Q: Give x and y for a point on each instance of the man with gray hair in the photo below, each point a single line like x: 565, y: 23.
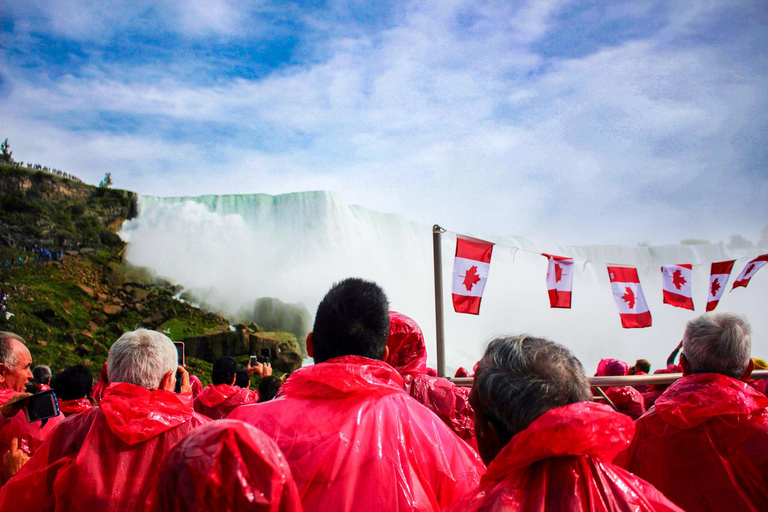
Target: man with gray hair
x: 546, y: 444
x: 42, y: 375
x: 705, y: 442
x: 115, y: 448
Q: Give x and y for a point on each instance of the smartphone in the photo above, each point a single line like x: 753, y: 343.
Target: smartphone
x: 264, y: 357
x: 179, y: 352
x: 40, y: 407
x: 253, y: 361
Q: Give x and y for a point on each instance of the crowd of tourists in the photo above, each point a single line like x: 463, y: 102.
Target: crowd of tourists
x: 369, y: 427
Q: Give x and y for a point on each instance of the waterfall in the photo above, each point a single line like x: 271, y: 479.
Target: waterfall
x: 230, y: 250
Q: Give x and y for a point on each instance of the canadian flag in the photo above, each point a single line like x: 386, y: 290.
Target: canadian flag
x: 559, y: 281
x: 749, y: 271
x: 718, y: 278
x: 629, y: 297
x: 676, y: 281
x: 470, y: 273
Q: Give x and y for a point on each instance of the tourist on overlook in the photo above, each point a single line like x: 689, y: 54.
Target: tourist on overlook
x: 626, y: 399
x: 222, y: 396
x: 105, y: 458
x: 705, y: 442
x: 73, y: 390
x: 18, y: 438
x: 547, y: 445
x: 408, y: 355
x: 352, y: 436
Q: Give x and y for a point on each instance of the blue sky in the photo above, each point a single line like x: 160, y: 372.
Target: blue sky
x: 572, y: 122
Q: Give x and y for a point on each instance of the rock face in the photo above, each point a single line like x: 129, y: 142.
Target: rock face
x: 272, y: 314
x: 285, y: 353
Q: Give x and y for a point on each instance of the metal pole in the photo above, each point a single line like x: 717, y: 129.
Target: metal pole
x: 437, y: 233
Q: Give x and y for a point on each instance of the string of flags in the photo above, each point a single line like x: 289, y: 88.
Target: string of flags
x: 472, y: 264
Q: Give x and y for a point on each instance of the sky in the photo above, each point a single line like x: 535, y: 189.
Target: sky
x: 579, y: 123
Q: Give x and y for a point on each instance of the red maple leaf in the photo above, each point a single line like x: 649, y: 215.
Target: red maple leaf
x: 749, y: 270
x: 629, y: 297
x: 715, y: 287
x: 677, y: 279
x: 471, y: 277
x: 558, y: 272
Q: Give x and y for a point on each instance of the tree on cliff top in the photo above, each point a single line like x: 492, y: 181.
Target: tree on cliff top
x: 107, y: 181
x: 6, y: 155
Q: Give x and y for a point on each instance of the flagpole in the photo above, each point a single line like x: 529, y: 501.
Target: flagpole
x: 437, y: 240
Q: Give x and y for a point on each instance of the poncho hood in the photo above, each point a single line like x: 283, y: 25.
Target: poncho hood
x: 344, y: 376
x: 211, y: 395
x: 135, y: 414
x: 407, y: 350
x: 695, y: 399
x: 68, y: 407
x: 584, y: 428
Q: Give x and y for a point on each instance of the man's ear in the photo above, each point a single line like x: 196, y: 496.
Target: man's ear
x: 3, y: 369
x: 310, y: 346
x: 168, y: 381
x: 750, y: 368
x: 687, y: 367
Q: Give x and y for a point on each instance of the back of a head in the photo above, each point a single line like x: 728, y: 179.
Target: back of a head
x: 407, y: 349
x: 612, y: 368
x: 351, y: 320
x: 225, y: 465
x: 268, y: 387
x: 42, y: 374
x: 718, y: 343
x: 242, y: 378
x: 522, y: 377
x: 141, y: 357
x: 642, y: 365
x: 73, y: 383
x: 224, y: 370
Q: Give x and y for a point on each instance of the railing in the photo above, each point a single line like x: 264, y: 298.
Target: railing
x: 628, y: 380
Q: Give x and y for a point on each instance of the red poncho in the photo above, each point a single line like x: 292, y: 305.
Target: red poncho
x: 101, y: 384
x: 562, y: 461
x: 225, y: 466
x: 104, y: 458
x: 217, y: 402
x: 30, y: 435
x: 70, y: 407
x: 705, y: 444
x: 408, y: 355
x: 627, y: 400
x: 356, y: 441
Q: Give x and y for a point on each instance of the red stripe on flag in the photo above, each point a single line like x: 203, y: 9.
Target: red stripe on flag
x: 559, y: 258
x: 677, y: 300
x: 638, y: 321
x: 473, y: 249
x: 623, y: 275
x: 711, y: 305
x: 559, y: 299
x: 722, y: 267
x: 466, y: 304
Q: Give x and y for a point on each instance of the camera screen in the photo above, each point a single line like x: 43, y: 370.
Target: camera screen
x: 41, y: 406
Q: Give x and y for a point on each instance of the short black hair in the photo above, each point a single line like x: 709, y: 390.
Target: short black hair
x: 242, y: 378
x: 268, y: 387
x: 351, y: 320
x: 224, y: 369
x: 73, y: 383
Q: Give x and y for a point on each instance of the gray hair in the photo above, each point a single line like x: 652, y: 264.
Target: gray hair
x: 520, y: 378
x: 141, y: 357
x: 42, y: 374
x: 7, y: 354
x: 718, y: 343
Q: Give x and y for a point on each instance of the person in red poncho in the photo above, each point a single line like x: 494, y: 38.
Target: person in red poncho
x: 105, y: 458
x: 547, y: 446
x: 626, y: 399
x: 221, y: 397
x: 73, y: 389
x: 18, y: 438
x: 705, y: 441
x: 408, y: 355
x: 225, y: 466
x: 353, y: 437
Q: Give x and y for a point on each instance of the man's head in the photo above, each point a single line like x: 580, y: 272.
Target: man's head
x: 717, y: 343
x: 145, y: 358
x: 42, y: 374
x: 73, y: 383
x: 641, y: 365
x: 15, y: 362
x: 517, y: 380
x: 224, y: 371
x: 352, y: 319
x: 242, y: 378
